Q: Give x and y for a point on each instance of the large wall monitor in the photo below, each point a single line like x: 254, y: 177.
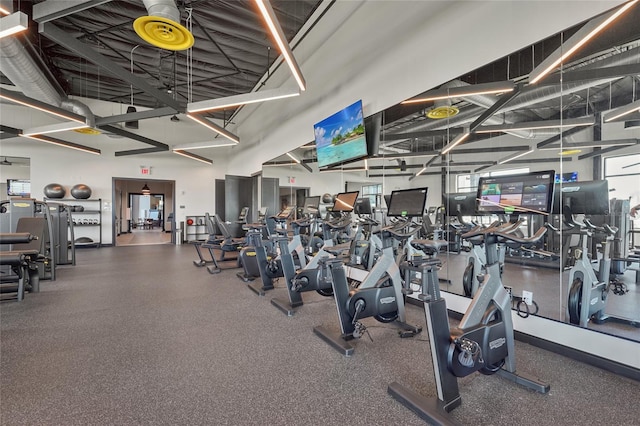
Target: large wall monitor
x: 587, y: 197
x: 460, y: 203
x: 345, y: 201
x: 407, y: 202
x: 18, y: 187
x: 530, y: 193
x: 341, y: 137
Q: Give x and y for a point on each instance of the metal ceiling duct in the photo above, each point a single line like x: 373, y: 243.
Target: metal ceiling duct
x: 24, y: 73
x: 162, y: 27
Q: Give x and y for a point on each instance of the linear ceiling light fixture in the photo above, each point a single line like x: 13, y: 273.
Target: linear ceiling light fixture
x: 457, y: 92
x: 242, y: 99
x: 54, y: 128
x: 290, y: 155
x: 276, y: 30
x: 6, y: 7
x: 13, y: 24
x: 41, y: 106
x: 193, y: 156
x: 622, y: 111
x: 212, y: 126
x: 515, y: 155
x: 576, y: 41
x: 533, y: 125
x: 456, y: 141
x: 62, y: 143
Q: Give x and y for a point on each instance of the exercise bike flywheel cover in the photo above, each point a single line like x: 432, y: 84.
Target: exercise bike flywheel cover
x: 164, y: 33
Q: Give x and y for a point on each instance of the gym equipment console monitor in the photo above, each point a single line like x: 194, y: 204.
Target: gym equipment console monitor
x: 407, y: 202
x: 345, y: 201
x: 530, y: 193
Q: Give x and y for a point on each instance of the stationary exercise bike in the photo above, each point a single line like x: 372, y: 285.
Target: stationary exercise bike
x: 483, y: 341
x: 589, y: 288
x: 380, y: 295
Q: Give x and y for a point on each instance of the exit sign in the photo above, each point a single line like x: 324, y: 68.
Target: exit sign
x: 145, y: 170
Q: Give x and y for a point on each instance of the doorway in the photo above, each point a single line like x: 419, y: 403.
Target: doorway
x: 143, y: 218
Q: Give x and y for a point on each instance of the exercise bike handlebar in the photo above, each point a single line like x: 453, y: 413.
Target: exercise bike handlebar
x: 609, y: 230
x: 506, y: 233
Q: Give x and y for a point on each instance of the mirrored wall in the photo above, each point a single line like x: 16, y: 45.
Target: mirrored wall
x: 548, y: 138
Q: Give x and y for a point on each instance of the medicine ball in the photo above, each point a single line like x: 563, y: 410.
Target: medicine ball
x: 54, y: 190
x: 327, y: 198
x: 189, y: 221
x: 81, y: 191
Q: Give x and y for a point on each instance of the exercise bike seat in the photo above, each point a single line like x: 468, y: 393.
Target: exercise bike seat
x: 338, y: 249
x: 429, y: 247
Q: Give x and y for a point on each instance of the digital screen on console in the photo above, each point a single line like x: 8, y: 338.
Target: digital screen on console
x: 345, y: 201
x: 407, y: 202
x: 530, y: 193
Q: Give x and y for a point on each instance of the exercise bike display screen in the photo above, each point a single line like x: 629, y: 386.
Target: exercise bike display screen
x: 345, y: 201
x: 408, y: 202
x: 530, y: 193
x: 284, y: 214
x: 311, y: 205
x: 363, y: 206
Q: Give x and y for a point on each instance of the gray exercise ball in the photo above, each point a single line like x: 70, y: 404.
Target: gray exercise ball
x: 81, y: 191
x: 327, y: 198
x: 54, y: 190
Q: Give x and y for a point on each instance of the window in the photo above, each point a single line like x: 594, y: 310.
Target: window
x: 373, y: 192
x: 469, y: 183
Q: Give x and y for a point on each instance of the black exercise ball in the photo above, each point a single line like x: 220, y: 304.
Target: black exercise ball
x: 327, y: 198
x: 54, y: 190
x: 81, y: 191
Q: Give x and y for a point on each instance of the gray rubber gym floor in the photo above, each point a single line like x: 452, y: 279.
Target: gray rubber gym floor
x: 138, y: 335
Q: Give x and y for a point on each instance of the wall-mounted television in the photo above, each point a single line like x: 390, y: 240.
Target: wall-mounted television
x: 407, y: 202
x: 18, y: 187
x: 341, y: 137
x: 530, y: 193
x: 567, y: 177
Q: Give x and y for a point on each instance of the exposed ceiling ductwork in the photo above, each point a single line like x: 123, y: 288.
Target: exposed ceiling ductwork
x: 26, y: 75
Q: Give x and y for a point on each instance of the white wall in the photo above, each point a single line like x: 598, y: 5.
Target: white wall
x: 385, y: 52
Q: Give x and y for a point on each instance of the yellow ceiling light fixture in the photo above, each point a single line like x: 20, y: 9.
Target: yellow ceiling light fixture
x: 568, y: 152
x: 88, y: 131
x: 444, y: 111
x: 161, y: 27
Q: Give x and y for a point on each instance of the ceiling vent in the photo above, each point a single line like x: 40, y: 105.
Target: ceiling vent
x: 161, y: 27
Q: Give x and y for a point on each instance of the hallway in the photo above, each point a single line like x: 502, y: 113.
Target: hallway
x: 144, y: 237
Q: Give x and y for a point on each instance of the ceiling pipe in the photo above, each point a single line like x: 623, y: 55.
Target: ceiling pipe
x: 24, y: 73
x: 164, y: 8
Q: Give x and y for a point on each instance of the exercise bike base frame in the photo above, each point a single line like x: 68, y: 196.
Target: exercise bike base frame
x: 259, y: 288
x: 285, y: 306
x: 340, y: 341
x: 432, y: 410
x: 525, y: 381
x: 335, y: 341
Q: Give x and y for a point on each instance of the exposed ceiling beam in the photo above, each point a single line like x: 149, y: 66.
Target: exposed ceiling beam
x: 54, y: 9
x: 600, y: 152
x: 134, y: 116
x: 592, y: 74
x: 61, y: 37
x: 10, y: 130
x: 501, y: 102
x: 118, y: 131
x: 556, y: 138
x: 424, y: 134
x: 138, y: 151
x: 592, y: 144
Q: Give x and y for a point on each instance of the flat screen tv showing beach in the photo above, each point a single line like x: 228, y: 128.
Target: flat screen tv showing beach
x: 341, y: 137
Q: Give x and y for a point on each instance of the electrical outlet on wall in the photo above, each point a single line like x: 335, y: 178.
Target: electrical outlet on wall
x: 527, y: 296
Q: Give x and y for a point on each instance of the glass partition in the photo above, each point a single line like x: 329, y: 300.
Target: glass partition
x: 536, y: 110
